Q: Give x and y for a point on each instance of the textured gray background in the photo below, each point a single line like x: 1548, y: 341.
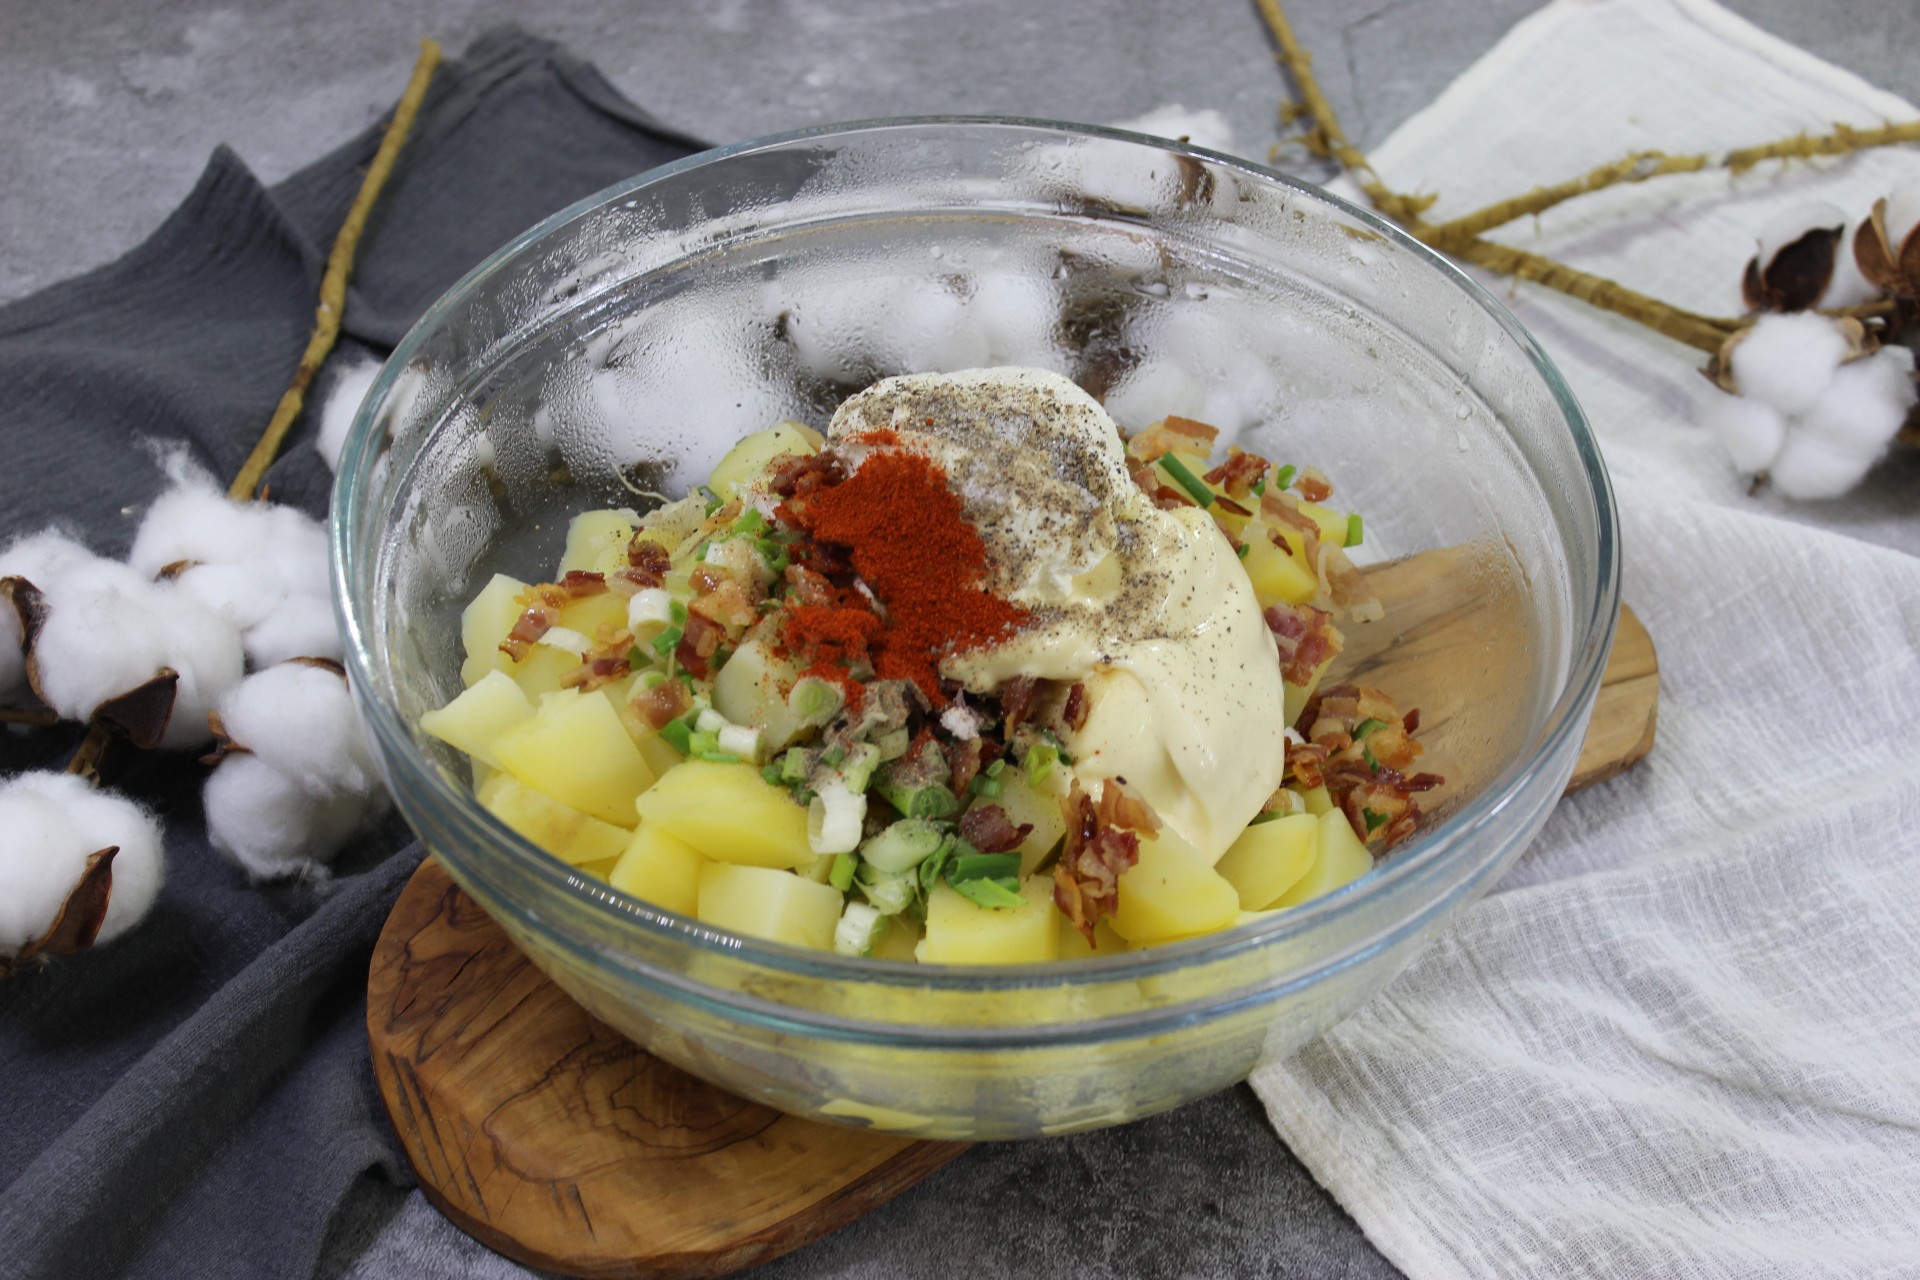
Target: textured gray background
x: 108, y: 112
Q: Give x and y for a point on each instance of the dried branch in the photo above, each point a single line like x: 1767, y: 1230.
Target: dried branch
x: 1642, y: 165
x: 333, y: 285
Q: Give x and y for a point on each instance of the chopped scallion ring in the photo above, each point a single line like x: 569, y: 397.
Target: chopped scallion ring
x: 1195, y: 487
x: 1355, y: 530
x: 1284, y: 476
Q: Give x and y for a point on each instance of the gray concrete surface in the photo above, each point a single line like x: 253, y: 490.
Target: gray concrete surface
x: 107, y: 114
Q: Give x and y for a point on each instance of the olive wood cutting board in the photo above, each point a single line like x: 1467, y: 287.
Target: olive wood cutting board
x: 550, y: 1138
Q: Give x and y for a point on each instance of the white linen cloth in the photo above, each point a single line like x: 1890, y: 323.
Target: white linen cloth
x: 1682, y: 1037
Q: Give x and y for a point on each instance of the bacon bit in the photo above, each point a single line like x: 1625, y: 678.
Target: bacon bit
x: 1165, y: 496
x: 1121, y: 806
x: 1238, y: 472
x: 666, y: 701
x: 647, y: 559
x: 698, y: 640
x: 1411, y: 721
x: 579, y: 584
x: 631, y: 582
x: 1305, y: 763
x: 1086, y: 880
x: 1220, y: 523
x: 706, y: 578
x: 1277, y: 539
x: 1229, y: 506
x: 596, y: 673
x: 1173, y: 435
x: 810, y: 588
x: 1305, y: 637
x: 1075, y: 711
x: 1365, y: 776
x: 988, y: 828
x: 1313, y: 485
x: 1016, y: 703
x: 727, y: 604
x: 1346, y: 585
x: 964, y: 759
x: 536, y: 621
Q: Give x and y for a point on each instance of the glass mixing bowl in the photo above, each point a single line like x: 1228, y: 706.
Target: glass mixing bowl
x: 615, y: 352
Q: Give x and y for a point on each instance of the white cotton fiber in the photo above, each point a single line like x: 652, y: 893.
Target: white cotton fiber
x: 1865, y: 403
x: 344, y: 397
x: 301, y: 720
x: 1793, y: 222
x: 1811, y: 466
x: 1786, y: 360
x: 53, y: 823
x: 43, y: 559
x: 1749, y: 431
x: 1018, y: 317
x: 270, y: 825
x: 260, y: 567
x: 1150, y: 391
x: 1206, y: 128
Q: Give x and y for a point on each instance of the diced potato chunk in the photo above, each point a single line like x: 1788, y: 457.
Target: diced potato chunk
x: 1025, y: 805
x: 959, y: 931
x: 539, y: 673
x: 731, y: 814
x: 752, y: 689
x: 1342, y: 860
x: 1333, y: 525
x: 601, y: 870
x: 661, y: 869
x: 1317, y: 800
x: 590, y: 613
x: 487, y: 709
x: 1267, y: 860
x: 1073, y: 943
x: 576, y: 750
x: 898, y: 942
x: 1295, y: 697
x: 750, y: 457
x: 762, y: 902
x: 597, y: 541
x: 1277, y: 575
x: 561, y: 830
x: 484, y: 623
x: 1172, y: 892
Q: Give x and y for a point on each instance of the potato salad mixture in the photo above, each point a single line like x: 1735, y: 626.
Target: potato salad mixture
x: 969, y: 680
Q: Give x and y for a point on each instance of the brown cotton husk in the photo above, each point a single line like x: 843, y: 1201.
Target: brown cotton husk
x: 1797, y: 275
x: 1887, y: 266
x: 325, y: 664
x: 141, y: 714
x: 81, y: 915
x: 29, y: 604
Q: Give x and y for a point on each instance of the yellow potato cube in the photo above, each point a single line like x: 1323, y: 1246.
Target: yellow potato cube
x: 762, y: 902
x: 1333, y: 525
x: 576, y: 750
x: 591, y: 613
x: 731, y: 814
x: 484, y: 623
x: 1342, y: 860
x: 1277, y: 575
x: 902, y: 936
x: 1269, y: 859
x: 488, y: 708
x: 601, y: 870
x: 1317, y: 800
x: 561, y: 830
x: 1024, y: 806
x: 960, y: 931
x: 1073, y: 943
x: 539, y: 673
x: 1172, y: 892
x: 1295, y: 697
x: 597, y: 541
x: 748, y: 459
x: 660, y: 869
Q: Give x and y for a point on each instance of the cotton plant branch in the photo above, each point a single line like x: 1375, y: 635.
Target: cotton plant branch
x: 1462, y: 236
x: 333, y: 284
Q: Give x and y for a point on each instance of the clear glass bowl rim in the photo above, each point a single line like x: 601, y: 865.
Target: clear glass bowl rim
x: 1593, y: 625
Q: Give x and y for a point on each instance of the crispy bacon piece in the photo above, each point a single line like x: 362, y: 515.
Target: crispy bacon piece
x: 1361, y: 747
x: 1305, y: 761
x: 1121, y: 806
x: 647, y: 561
x: 1165, y: 496
x: 1239, y: 472
x: 1016, y: 703
x: 964, y: 758
x: 1086, y: 880
x: 1228, y: 505
x: 1313, y: 485
x: 698, y: 640
x: 666, y: 701
x: 810, y: 588
x: 595, y: 673
x: 727, y: 604
x: 1174, y: 434
x: 580, y: 583
x: 534, y: 622
x: 1306, y: 638
x: 1075, y: 711
x: 988, y: 828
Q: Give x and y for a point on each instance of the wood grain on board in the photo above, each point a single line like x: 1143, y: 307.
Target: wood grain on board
x: 552, y: 1139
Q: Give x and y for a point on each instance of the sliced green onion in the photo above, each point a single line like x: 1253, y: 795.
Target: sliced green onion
x: 991, y: 893
x: 985, y: 787
x: 814, y: 700
x: 1355, y: 530
x: 903, y: 845
x: 1195, y: 487
x: 676, y: 613
x: 859, y: 929
x: 1366, y: 727
x: 635, y: 658
x: 931, y: 868
x: 1241, y: 551
x: 1373, y: 820
x: 833, y: 757
x: 844, y: 865
x: 722, y: 654
x: 664, y: 642
x: 677, y: 733
x: 1265, y: 815
x: 893, y: 743
x: 1041, y: 757
x: 1284, y: 476
x: 717, y: 757
x: 771, y: 772
x: 1260, y: 487
x: 703, y: 742
x: 930, y: 801
x: 751, y: 523
x: 857, y: 770
x: 889, y: 893
x: 995, y: 769
x: 977, y: 866
x: 713, y: 500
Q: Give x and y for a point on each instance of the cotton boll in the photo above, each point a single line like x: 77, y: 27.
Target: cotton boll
x: 1848, y: 288
x: 44, y: 558
x: 271, y: 826
x: 927, y: 327
x: 1790, y: 224
x: 1813, y: 466
x: 1207, y: 128
x: 299, y: 627
x: 301, y: 720
x: 54, y: 822
x: 1903, y: 213
x: 1017, y: 317
x: 207, y: 654
x: 1866, y: 402
x: 1749, y: 431
x: 1786, y: 360
x: 349, y: 390
x: 1152, y: 390
x: 99, y: 639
